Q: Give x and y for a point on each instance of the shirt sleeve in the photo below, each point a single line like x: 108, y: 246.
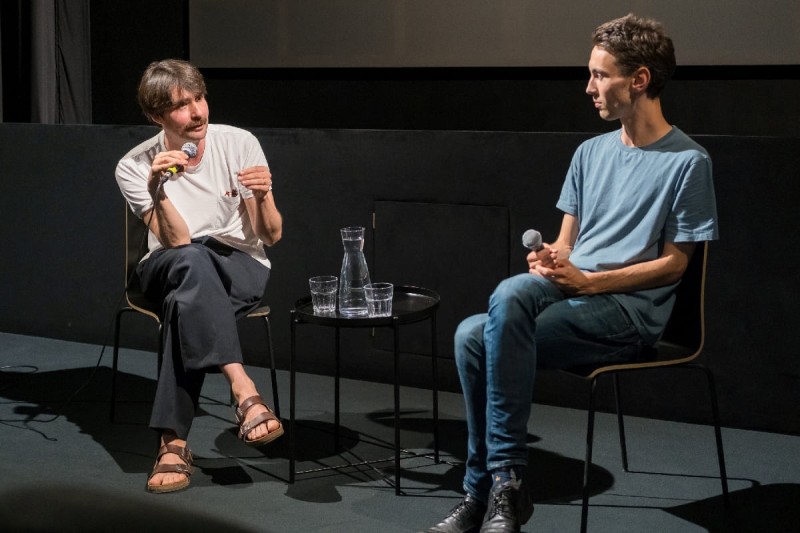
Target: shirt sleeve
x: 693, y: 217
x: 131, y: 175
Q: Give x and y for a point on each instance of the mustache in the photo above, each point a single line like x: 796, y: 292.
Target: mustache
x: 196, y: 124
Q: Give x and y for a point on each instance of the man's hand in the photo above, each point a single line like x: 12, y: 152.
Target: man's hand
x: 163, y: 161
x: 257, y: 179
x: 566, y: 276
x: 548, y: 256
x: 543, y: 257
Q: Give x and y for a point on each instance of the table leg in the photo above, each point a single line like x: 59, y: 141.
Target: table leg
x: 395, y: 324
x: 336, y: 405
x: 435, y: 387
x: 293, y: 326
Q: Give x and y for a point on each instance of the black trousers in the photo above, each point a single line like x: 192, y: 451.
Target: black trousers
x: 204, y: 288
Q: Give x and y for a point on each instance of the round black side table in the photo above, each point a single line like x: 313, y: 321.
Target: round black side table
x: 409, y: 305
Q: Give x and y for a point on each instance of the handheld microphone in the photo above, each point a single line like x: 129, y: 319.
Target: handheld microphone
x: 532, y: 239
x: 189, y: 149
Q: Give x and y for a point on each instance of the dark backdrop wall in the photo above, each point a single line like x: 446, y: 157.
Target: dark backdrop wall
x: 450, y: 208
x: 716, y: 100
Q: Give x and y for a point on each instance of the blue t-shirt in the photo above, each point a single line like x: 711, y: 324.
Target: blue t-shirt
x: 629, y: 202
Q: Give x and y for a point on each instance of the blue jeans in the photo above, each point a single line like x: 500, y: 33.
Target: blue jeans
x: 531, y: 324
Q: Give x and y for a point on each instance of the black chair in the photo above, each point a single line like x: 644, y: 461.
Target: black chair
x: 681, y: 344
x: 137, y: 302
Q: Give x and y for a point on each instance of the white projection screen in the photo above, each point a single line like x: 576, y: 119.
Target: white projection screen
x: 477, y: 33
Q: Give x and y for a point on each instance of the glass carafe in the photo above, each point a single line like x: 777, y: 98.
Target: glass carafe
x: 354, y: 275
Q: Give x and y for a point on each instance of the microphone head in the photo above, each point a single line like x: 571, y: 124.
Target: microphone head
x: 189, y: 149
x: 532, y: 239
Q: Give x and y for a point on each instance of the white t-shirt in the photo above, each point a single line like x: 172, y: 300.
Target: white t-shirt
x: 208, y: 195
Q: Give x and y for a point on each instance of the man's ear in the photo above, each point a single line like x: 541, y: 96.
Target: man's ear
x: 641, y: 80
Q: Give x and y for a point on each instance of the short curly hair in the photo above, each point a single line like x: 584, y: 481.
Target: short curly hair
x: 159, y: 80
x: 638, y: 42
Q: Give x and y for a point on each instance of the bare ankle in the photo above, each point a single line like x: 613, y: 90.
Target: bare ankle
x: 169, y: 437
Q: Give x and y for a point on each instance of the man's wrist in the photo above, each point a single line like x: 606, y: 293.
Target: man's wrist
x: 158, y: 196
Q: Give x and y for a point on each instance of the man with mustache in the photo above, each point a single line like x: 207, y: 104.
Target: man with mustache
x: 636, y: 202
x: 210, y: 218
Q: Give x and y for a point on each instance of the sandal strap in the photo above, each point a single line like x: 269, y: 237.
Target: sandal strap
x: 178, y: 468
x: 181, y: 451
x: 246, y: 427
x: 242, y: 408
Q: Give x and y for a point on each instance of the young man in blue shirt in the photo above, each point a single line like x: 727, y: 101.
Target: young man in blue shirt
x: 636, y: 202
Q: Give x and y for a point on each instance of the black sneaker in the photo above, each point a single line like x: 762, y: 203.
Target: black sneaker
x: 510, y: 506
x: 466, y: 517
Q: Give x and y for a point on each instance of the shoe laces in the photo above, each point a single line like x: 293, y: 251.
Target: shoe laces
x: 501, y: 501
x: 462, y: 508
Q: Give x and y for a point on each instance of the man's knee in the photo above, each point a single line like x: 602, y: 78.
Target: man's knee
x: 187, y: 252
x: 469, y: 337
x: 516, y: 289
x: 190, y: 257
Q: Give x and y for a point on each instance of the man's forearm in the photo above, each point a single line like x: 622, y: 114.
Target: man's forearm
x: 167, y: 224
x: 665, y: 270
x: 266, y: 219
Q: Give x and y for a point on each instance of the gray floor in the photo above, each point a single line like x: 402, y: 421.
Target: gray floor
x: 65, y: 467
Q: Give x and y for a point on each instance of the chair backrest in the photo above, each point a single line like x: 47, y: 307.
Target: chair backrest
x: 135, y: 241
x: 684, y: 335
x: 135, y: 245
x: 686, y: 327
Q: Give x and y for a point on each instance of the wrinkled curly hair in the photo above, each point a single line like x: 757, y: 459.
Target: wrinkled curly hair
x: 638, y: 42
x: 160, y: 78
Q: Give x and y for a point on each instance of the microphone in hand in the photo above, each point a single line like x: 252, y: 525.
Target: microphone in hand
x: 190, y: 149
x: 532, y: 240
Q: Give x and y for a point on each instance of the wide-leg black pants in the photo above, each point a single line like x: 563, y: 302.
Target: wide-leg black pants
x: 204, y: 288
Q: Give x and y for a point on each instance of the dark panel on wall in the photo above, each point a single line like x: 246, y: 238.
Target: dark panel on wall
x: 63, y: 274
x: 66, y: 234
x: 460, y: 250
x: 713, y: 101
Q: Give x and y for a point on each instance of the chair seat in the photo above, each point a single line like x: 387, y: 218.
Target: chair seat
x: 141, y: 303
x: 663, y: 354
x: 259, y: 312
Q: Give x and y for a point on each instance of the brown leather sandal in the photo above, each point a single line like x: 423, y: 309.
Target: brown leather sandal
x: 246, y: 427
x: 186, y: 456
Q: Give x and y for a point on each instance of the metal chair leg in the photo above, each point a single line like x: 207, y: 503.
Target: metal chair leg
x: 272, y: 369
x: 115, y: 357
x: 622, y: 444
x: 723, y: 476
x: 114, y: 363
x: 587, y: 464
